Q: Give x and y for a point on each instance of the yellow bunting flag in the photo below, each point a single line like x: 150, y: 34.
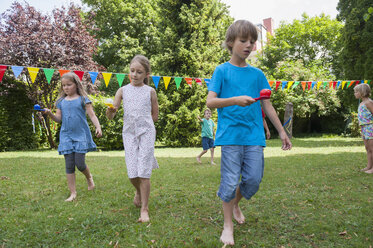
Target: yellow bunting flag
x: 366, y: 81
x: 33, y: 73
x: 166, y: 81
x: 107, y: 76
x: 319, y: 84
x: 343, y: 84
x: 290, y: 83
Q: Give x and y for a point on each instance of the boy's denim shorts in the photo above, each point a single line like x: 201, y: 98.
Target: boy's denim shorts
x: 207, y: 143
x: 246, y: 162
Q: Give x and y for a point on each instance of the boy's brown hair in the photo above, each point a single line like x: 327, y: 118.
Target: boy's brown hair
x: 241, y: 29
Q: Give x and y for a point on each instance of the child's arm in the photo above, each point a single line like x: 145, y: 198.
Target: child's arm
x: 93, y: 117
x: 110, y: 112
x: 268, y: 133
x: 199, y: 118
x: 56, y: 117
x: 214, y: 102
x: 369, y: 105
x: 155, y: 107
x: 271, y: 113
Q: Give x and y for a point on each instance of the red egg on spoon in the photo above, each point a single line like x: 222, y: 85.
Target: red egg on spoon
x: 264, y: 94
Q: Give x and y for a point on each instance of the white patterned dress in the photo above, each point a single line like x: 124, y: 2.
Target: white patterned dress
x: 138, y: 131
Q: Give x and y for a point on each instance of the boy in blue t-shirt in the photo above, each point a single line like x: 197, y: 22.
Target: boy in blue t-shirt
x: 240, y: 134
x: 207, y: 135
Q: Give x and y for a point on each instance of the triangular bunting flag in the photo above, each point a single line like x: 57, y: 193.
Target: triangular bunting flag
x: 350, y: 83
x: 207, y: 81
x: 343, y: 84
x: 48, y: 74
x: 284, y: 83
x: 338, y: 84
x: 63, y: 72
x: 366, y: 81
x: 325, y: 84
x: 107, y: 76
x: 330, y: 84
x: 2, y: 71
x: 189, y: 81
x: 303, y: 85
x: 166, y: 81
x: 334, y: 84
x: 17, y: 70
x: 33, y: 73
x: 295, y: 84
x: 80, y: 74
x: 178, y: 81
x: 93, y: 76
x: 277, y: 84
x: 156, y: 80
x: 120, y: 78
x: 313, y: 84
x: 290, y: 83
x: 309, y: 85
x: 319, y: 84
x: 198, y: 81
x: 271, y: 83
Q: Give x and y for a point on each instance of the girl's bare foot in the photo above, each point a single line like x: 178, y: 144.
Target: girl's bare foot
x: 238, y: 215
x: 227, y: 236
x: 370, y: 171
x: 91, y: 184
x: 144, y: 216
x: 137, y: 200
x: 71, y: 197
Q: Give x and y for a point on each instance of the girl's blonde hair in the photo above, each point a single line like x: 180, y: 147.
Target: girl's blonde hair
x: 363, y: 89
x: 240, y: 29
x: 144, y: 61
x: 79, y: 87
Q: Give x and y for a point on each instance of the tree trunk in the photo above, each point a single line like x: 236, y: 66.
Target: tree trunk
x: 288, y: 119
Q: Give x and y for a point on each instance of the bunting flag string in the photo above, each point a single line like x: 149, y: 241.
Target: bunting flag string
x: 289, y: 85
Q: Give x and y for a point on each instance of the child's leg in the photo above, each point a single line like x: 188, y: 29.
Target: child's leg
x: 200, y: 155
x: 212, y: 155
x: 237, y: 213
x: 137, y: 199
x: 369, y: 148
x: 72, y: 186
x: 145, y: 192
x: 227, y: 234
x: 82, y: 167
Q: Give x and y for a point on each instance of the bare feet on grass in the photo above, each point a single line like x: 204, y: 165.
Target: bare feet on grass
x: 370, y: 171
x: 91, y: 183
x: 198, y: 160
x: 71, y: 197
x: 137, y: 200
x: 144, y: 216
x: 238, y: 215
x: 227, y: 235
x: 212, y: 163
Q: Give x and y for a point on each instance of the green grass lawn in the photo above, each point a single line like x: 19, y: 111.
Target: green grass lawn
x: 311, y: 196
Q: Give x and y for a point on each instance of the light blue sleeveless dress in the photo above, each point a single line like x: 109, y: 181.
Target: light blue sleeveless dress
x: 75, y: 135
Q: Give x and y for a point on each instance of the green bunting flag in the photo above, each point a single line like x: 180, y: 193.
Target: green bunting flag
x: 120, y: 78
x: 48, y: 74
x: 178, y: 81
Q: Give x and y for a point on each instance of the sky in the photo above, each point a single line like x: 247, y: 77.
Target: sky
x: 254, y: 11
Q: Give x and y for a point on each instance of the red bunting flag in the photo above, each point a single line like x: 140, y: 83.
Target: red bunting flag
x: 80, y: 74
x: 2, y: 71
x: 198, y: 81
x: 309, y: 85
x: 277, y: 84
x: 63, y: 72
x: 189, y: 81
x: 334, y: 84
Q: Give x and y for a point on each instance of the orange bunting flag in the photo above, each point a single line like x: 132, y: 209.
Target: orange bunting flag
x: 330, y: 84
x: 2, y: 71
x: 350, y: 83
x: 80, y: 74
x: 107, y: 76
x: 63, y: 72
x: 198, y: 81
x: 166, y: 81
x: 189, y: 81
x: 33, y: 73
x: 277, y: 84
x: 271, y: 83
x: 303, y: 85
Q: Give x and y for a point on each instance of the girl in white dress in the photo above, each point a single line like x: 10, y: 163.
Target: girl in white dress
x: 140, y: 107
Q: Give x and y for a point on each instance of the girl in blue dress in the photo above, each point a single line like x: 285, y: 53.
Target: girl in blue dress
x: 75, y: 136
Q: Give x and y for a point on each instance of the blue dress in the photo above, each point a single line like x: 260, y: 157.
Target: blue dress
x: 75, y: 135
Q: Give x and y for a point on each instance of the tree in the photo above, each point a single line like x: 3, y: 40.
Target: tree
x: 29, y: 38
x: 357, y: 38
x: 311, y: 39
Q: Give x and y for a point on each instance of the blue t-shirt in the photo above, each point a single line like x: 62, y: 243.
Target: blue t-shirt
x: 239, y: 125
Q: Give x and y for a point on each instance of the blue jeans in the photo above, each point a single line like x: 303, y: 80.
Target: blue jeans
x: 246, y: 162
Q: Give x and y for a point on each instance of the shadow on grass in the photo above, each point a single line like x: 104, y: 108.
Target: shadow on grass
x: 315, y: 143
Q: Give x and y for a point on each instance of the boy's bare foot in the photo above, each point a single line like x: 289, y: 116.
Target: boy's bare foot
x: 144, y: 216
x: 365, y: 169
x: 238, y: 215
x: 71, y: 197
x: 227, y: 236
x: 137, y: 200
x: 198, y: 159
x: 212, y: 162
x: 370, y: 171
x: 91, y: 184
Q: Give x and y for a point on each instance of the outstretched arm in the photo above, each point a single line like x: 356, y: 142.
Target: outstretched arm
x: 110, y: 112
x: 56, y: 117
x: 214, y: 102
x: 271, y: 113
